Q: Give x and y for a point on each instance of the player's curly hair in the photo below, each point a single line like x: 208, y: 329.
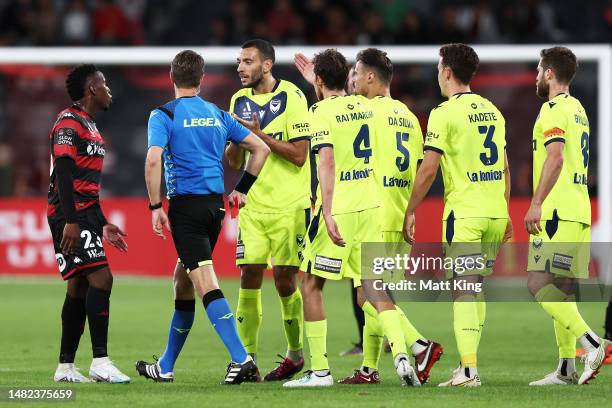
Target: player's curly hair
x: 561, y: 60
x: 461, y: 59
x: 332, y: 68
x: 77, y: 80
x: 378, y: 61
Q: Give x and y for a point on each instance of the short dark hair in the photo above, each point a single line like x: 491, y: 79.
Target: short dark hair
x: 264, y: 47
x: 461, y: 59
x: 378, y: 61
x: 77, y: 80
x: 187, y: 69
x: 332, y: 68
x: 561, y: 60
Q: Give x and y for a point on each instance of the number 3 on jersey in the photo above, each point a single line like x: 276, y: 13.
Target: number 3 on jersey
x: 488, y: 158
x: 363, y: 137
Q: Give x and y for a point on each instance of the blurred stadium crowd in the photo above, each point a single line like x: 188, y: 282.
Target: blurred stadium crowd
x: 30, y: 97
x: 230, y: 22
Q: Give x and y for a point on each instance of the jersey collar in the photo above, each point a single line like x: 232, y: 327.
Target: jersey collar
x: 278, y: 81
x: 77, y: 106
x: 458, y: 94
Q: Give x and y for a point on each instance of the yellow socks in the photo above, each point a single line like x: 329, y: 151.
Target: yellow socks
x: 316, y: 334
x: 248, y: 318
x: 481, y: 309
x: 467, y: 329
x: 372, y: 342
x: 292, y: 312
x: 390, y: 322
x: 564, y: 313
x: 411, y: 334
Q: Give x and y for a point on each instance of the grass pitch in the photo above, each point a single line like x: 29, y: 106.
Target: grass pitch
x: 517, y: 346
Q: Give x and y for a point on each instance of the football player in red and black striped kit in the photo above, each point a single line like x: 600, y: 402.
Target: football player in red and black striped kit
x: 78, y: 225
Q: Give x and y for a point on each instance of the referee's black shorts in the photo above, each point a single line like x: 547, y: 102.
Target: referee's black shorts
x: 196, y: 222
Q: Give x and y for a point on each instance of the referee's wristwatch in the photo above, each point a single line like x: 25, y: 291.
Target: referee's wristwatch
x: 155, y: 206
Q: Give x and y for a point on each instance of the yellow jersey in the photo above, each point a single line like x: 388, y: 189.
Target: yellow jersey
x: 346, y: 123
x: 283, y: 114
x: 470, y: 134
x: 563, y: 119
x: 398, y: 146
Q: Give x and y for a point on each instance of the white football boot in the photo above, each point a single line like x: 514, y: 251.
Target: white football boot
x: 67, y: 372
x: 103, y: 370
x: 593, y: 360
x: 405, y: 371
x: 460, y: 379
x: 557, y: 379
x: 311, y: 380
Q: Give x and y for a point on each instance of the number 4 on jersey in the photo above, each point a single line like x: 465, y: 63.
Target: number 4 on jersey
x: 363, y: 137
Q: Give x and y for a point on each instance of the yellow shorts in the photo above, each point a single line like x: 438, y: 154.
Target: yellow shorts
x: 271, y: 239
x: 562, y: 248
x: 472, y: 244
x: 325, y: 259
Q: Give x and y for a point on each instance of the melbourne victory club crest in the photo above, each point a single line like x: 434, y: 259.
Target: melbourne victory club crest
x: 275, y: 105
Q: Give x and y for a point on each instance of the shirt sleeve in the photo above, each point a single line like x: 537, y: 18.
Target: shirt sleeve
x: 553, y: 124
x: 159, y: 129
x: 297, y: 117
x: 235, y: 131
x: 437, y: 132
x: 65, y: 142
x: 319, y: 131
x: 417, y: 139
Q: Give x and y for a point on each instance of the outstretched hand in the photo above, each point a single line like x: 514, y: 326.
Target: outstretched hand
x: 305, y: 66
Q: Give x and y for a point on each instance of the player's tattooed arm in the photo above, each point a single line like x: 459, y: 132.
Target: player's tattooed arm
x: 294, y: 152
x: 550, y: 174
x: 422, y: 183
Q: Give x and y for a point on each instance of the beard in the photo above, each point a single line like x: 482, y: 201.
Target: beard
x: 542, y: 89
x: 256, y: 81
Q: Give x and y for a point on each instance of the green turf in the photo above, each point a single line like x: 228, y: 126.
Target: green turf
x: 517, y: 346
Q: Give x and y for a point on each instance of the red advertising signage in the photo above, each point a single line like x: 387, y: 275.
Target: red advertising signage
x: 26, y: 247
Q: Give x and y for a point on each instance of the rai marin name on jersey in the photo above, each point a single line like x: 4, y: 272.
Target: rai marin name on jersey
x: 346, y: 123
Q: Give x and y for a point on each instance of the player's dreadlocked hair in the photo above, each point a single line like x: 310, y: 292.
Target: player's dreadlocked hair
x: 332, y: 68
x: 77, y: 79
